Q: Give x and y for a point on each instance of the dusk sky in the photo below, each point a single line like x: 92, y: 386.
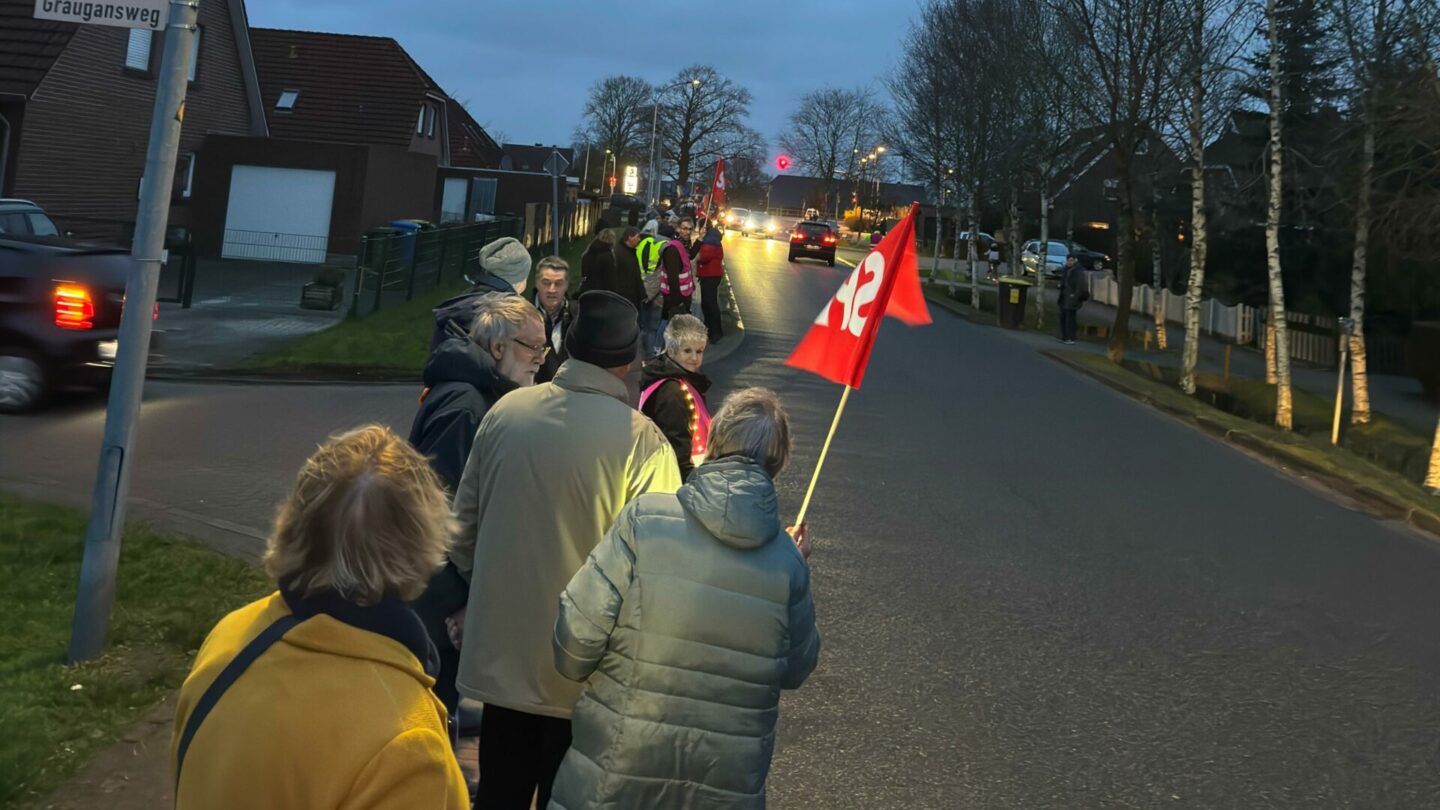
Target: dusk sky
x: 524, y: 68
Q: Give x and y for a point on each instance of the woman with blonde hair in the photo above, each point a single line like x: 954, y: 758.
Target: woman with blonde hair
x: 319, y: 695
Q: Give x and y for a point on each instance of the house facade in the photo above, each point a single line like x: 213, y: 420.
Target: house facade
x: 76, y: 103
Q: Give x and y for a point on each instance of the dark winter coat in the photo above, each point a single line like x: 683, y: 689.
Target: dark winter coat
x: 462, y: 385
x: 685, y: 623
x: 555, y: 330
x: 668, y: 406
x: 454, y: 315
x: 629, y: 281
x: 597, y: 268
x: 1073, y: 289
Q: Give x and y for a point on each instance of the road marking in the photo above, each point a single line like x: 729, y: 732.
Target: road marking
x: 845, y: 262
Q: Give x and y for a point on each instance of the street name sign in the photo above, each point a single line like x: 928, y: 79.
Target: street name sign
x: 149, y: 14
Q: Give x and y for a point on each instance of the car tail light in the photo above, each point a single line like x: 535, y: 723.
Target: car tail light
x: 797, y: 237
x: 828, y: 239
x: 74, y: 309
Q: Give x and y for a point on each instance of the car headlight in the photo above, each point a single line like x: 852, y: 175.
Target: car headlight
x: 749, y: 226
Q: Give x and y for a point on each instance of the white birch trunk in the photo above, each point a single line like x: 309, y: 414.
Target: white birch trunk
x: 1157, y: 274
x: 1432, y: 480
x: 1284, y: 407
x: 1044, y: 253
x: 1199, y: 233
x: 1359, y: 379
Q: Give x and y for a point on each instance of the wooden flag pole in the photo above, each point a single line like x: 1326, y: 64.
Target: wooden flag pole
x: 805, y: 505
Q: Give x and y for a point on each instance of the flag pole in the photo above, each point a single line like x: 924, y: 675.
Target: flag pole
x: 805, y: 505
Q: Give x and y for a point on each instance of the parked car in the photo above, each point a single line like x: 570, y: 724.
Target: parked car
x: 813, y: 240
x: 24, y: 218
x: 1056, y: 254
x: 60, y: 305
x: 985, y: 240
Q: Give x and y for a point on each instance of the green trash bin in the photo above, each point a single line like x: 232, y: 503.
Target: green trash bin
x: 1010, y: 301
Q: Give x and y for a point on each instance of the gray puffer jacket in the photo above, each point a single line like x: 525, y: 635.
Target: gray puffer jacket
x: 687, y: 620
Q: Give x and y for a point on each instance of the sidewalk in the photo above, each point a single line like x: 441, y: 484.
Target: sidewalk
x: 239, y: 308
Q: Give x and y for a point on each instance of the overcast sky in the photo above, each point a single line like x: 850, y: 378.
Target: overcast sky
x: 524, y: 67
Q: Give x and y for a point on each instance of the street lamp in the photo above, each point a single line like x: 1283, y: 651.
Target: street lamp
x: 610, y: 157
x: 651, y: 186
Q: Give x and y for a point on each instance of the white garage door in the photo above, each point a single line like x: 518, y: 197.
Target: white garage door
x: 278, y: 214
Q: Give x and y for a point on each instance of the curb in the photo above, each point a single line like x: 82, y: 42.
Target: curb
x: 218, y: 377
x: 1365, y: 499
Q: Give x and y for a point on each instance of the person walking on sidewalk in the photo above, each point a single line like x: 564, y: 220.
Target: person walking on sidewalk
x: 672, y: 391
x: 551, y: 468
x: 711, y: 271
x: 709, y: 586
x: 1073, y: 293
x: 552, y: 288
x: 464, y: 379
x: 318, y: 695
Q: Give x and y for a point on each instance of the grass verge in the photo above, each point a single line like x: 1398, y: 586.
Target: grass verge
x: 171, y: 592
x: 1357, y: 468
x: 392, y: 343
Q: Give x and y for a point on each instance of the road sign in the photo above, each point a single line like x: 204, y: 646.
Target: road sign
x: 556, y: 164
x: 632, y: 180
x: 151, y: 14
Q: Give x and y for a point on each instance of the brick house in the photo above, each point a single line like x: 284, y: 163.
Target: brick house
x: 75, y: 108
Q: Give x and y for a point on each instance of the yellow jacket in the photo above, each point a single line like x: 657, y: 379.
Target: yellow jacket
x: 330, y: 716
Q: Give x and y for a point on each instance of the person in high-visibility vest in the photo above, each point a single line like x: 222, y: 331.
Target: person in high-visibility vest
x: 647, y: 255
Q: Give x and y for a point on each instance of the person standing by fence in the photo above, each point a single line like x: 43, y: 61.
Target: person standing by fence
x: 1073, y: 293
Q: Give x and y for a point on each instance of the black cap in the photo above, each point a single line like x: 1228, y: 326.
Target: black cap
x: 606, y: 333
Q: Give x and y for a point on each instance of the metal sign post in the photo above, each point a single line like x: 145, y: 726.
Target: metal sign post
x: 112, y: 480
x: 555, y: 165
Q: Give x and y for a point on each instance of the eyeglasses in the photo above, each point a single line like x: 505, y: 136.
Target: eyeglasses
x: 541, y: 352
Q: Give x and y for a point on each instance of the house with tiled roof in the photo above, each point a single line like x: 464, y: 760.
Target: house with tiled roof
x: 75, y: 108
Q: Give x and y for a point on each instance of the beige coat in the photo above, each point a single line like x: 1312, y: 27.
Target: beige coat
x: 551, y: 468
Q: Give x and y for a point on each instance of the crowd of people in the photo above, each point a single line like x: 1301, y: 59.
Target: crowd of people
x: 610, y: 584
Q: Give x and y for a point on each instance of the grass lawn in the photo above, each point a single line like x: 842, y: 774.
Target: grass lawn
x: 171, y: 592
x: 392, y: 342
x: 1373, y: 457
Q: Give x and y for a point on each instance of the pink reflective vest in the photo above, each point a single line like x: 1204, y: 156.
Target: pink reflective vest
x: 699, y: 416
x: 687, y: 275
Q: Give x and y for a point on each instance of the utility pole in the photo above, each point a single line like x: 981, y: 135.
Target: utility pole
x: 99, y: 566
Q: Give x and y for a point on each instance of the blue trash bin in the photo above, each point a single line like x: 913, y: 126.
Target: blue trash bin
x: 404, y: 245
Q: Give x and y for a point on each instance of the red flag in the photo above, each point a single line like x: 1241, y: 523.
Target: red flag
x: 887, y: 282
x: 717, y: 188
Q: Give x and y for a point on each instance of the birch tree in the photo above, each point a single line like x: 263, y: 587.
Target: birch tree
x: 1279, y: 343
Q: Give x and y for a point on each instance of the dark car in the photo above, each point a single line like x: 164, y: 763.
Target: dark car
x: 813, y: 240
x: 24, y: 218
x: 621, y: 210
x: 60, y: 304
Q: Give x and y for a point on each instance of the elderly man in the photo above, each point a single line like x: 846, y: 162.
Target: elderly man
x: 551, y: 468
x: 463, y: 381
x: 504, y: 267
x: 552, y: 284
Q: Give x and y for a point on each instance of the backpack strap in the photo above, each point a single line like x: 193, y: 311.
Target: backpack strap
x: 224, y: 681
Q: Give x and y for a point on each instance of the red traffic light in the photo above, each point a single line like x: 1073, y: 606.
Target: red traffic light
x: 782, y: 163
x: 612, y: 179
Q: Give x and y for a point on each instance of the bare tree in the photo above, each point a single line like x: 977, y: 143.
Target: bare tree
x: 617, y: 116
x: 825, y: 132
x: 702, y: 117
x: 1121, y: 78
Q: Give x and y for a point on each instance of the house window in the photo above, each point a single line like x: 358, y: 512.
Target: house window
x: 420, y: 122
x: 189, y: 176
x: 195, y: 52
x: 430, y: 117
x: 137, y: 50
x: 287, y: 100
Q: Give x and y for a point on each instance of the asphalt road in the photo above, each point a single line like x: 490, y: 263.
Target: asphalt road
x: 1034, y: 592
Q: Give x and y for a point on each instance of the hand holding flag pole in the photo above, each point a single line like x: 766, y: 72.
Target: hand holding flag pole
x: 838, y: 345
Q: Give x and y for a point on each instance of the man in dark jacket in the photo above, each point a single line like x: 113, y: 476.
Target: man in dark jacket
x: 465, y: 377
x: 504, y: 267
x: 597, y: 265
x: 552, y: 288
x: 629, y: 280
x: 1073, y: 292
